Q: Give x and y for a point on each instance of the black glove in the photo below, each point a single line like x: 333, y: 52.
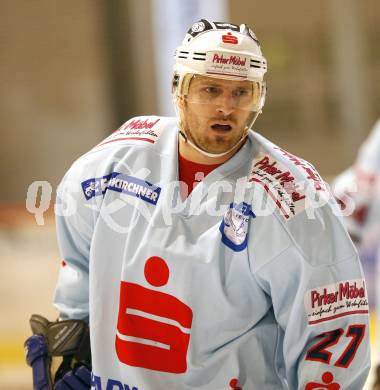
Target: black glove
x: 59, y: 353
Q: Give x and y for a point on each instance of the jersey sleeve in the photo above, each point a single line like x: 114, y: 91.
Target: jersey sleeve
x: 320, y: 303
x: 75, y: 221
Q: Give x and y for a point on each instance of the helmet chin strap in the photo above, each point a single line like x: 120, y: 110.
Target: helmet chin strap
x: 184, y: 136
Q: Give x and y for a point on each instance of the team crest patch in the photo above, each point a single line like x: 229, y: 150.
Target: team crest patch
x: 234, y: 227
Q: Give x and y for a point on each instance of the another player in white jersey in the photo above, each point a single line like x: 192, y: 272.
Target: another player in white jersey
x: 361, y: 184
x: 202, y: 255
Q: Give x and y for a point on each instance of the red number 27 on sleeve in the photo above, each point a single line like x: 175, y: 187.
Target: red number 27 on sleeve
x: 320, y: 352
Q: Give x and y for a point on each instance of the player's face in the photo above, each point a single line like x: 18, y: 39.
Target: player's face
x: 215, y: 112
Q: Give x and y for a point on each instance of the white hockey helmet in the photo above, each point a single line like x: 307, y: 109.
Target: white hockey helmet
x: 221, y: 50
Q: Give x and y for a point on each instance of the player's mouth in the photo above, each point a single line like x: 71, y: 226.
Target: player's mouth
x: 221, y: 127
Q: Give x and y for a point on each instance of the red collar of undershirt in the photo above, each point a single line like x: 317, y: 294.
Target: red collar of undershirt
x: 192, y: 173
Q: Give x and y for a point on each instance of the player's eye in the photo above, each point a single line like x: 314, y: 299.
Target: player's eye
x: 241, y: 92
x: 212, y: 90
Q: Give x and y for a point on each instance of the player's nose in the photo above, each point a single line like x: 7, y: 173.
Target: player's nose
x: 225, y: 104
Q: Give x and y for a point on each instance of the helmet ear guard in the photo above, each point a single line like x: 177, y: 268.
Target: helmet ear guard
x: 175, y: 82
x: 262, y: 97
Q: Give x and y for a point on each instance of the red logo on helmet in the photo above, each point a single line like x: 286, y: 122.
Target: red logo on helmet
x: 229, y: 38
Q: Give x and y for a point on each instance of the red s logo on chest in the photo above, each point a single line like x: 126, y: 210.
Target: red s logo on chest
x: 153, y: 329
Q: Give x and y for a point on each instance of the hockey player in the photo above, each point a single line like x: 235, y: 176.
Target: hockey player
x: 202, y: 255
x: 361, y: 184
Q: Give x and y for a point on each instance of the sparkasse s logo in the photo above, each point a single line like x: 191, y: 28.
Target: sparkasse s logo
x: 229, y: 38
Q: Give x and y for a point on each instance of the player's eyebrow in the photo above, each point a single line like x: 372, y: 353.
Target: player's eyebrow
x: 209, y: 83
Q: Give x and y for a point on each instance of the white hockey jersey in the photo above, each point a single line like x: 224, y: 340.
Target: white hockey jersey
x: 249, y: 283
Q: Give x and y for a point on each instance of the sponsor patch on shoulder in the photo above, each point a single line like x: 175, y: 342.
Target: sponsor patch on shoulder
x: 310, y: 172
x: 137, y: 129
x: 234, y: 226
x: 288, y: 195
x: 119, y: 182
x: 337, y: 300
